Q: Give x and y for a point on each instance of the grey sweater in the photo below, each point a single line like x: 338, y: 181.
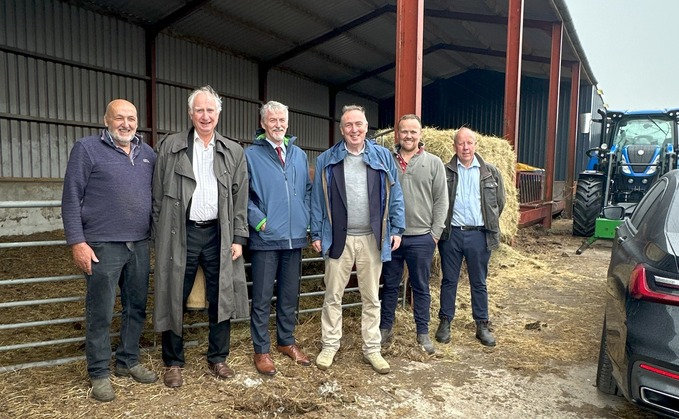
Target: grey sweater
x: 425, y: 194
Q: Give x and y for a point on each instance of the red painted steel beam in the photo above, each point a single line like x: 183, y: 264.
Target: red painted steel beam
x: 572, y: 136
x: 409, y: 34
x: 553, y: 113
x: 513, y: 72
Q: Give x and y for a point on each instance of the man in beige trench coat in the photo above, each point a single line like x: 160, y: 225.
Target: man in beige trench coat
x: 200, y: 196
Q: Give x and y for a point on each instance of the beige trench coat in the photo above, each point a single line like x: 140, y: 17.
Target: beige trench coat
x: 173, y: 187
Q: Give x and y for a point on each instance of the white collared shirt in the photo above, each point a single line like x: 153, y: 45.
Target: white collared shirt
x: 284, y: 149
x: 204, y: 203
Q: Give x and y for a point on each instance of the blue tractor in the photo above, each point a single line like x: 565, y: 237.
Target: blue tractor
x: 636, y: 148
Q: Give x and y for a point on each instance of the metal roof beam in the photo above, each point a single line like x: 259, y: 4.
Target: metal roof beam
x: 493, y: 19
x: 449, y: 47
x: 177, y: 15
x: 329, y: 35
x: 492, y: 53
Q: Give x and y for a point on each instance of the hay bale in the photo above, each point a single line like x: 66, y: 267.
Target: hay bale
x: 493, y: 149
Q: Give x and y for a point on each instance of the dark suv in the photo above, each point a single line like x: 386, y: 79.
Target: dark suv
x: 639, y: 355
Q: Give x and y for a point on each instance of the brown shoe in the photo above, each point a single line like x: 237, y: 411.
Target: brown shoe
x: 295, y: 353
x: 264, y: 364
x: 173, y: 377
x: 221, y: 370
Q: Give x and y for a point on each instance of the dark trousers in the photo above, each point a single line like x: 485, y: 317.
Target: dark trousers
x: 471, y: 245
x: 124, y: 265
x: 279, y: 269
x: 417, y: 252
x: 202, y: 248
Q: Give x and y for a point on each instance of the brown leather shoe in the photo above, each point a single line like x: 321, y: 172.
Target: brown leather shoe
x: 295, y: 353
x: 221, y: 370
x: 173, y: 377
x: 264, y: 364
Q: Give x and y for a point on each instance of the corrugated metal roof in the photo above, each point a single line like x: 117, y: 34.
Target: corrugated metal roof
x: 339, y: 42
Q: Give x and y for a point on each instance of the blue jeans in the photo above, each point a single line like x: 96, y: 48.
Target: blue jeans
x: 417, y: 252
x: 471, y: 245
x: 282, y: 266
x: 124, y: 265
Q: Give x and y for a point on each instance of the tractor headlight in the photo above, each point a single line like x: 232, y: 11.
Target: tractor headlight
x: 654, y: 165
x: 625, y: 168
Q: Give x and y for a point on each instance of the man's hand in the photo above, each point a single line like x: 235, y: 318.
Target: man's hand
x: 316, y: 245
x: 83, y: 256
x: 395, y: 242
x: 263, y: 227
x: 236, y: 251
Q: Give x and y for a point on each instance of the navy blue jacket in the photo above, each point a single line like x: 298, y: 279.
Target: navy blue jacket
x: 328, y: 206
x: 107, y: 194
x: 279, y: 196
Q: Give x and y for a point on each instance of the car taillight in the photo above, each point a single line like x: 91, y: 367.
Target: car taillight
x: 659, y: 371
x: 639, y: 289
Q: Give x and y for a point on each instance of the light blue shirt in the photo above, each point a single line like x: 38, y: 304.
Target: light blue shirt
x: 467, y: 208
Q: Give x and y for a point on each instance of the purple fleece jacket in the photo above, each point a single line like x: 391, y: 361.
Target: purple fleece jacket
x: 107, y: 195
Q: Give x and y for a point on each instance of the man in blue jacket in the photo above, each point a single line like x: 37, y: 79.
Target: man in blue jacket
x: 357, y: 217
x: 278, y: 215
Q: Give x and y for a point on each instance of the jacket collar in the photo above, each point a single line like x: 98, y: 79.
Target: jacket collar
x: 260, y: 138
x: 187, y: 138
x: 452, y: 164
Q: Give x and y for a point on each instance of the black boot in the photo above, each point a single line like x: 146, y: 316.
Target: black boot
x: 483, y: 333
x: 443, y: 332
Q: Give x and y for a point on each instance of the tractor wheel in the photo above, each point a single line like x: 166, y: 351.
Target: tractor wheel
x: 587, y: 206
x: 605, y: 381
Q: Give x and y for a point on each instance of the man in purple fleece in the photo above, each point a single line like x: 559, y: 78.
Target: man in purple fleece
x: 106, y: 209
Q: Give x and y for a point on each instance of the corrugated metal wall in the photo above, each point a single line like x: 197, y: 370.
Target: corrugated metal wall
x: 308, y: 104
x: 476, y: 99
x: 59, y: 66
x: 183, y: 66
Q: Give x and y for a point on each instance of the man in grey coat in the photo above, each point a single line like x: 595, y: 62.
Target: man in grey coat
x: 200, y: 197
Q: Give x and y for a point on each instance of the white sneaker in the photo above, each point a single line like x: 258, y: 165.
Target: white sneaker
x: 377, y: 362
x: 325, y: 358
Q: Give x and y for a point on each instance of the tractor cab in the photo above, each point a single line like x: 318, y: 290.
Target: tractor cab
x: 635, y: 149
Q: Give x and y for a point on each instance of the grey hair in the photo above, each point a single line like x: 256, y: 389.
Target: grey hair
x: 274, y: 107
x: 208, y: 91
x: 475, y: 136
x: 349, y: 108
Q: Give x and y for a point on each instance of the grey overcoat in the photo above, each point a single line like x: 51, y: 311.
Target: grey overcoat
x: 173, y: 187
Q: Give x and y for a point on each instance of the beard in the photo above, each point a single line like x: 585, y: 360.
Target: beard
x: 278, y: 135
x: 122, y: 140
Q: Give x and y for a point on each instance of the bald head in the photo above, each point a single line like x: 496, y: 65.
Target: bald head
x: 121, y: 121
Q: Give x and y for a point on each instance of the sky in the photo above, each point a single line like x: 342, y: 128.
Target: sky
x: 631, y: 46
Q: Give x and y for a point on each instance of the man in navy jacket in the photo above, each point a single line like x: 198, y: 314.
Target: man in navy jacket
x: 106, y: 208
x: 278, y: 216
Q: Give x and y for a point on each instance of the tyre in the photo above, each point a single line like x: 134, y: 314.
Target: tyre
x: 587, y: 206
x: 605, y: 381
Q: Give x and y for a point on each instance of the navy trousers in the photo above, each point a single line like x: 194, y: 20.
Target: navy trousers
x: 417, y: 252
x: 202, y: 248
x: 279, y: 270
x: 471, y: 245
